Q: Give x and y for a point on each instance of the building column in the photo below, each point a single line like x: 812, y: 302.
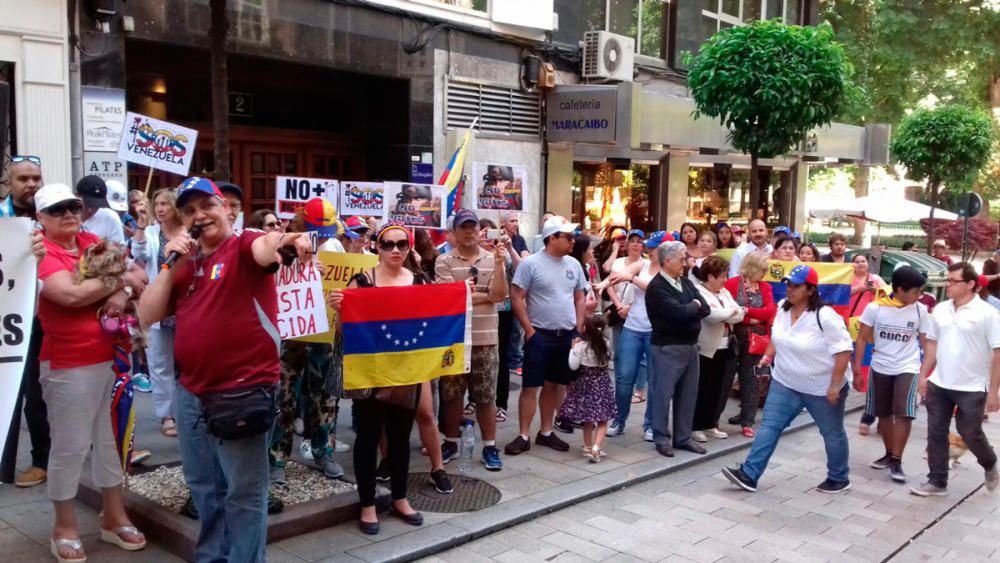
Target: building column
x: 559, y: 181
x: 672, y: 195
x: 800, y: 183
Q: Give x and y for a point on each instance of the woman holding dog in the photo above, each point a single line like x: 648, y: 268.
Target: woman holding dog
x: 76, y: 374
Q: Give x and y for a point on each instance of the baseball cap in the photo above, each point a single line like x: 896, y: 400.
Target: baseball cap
x: 557, y: 224
x: 802, y: 274
x: 117, y: 195
x: 782, y: 229
x: 51, y: 194
x: 320, y: 217
x: 354, y: 226
x: 658, y: 238
x: 463, y: 216
x: 230, y: 188
x: 939, y: 242
x: 636, y: 232
x: 93, y: 191
x: 617, y: 232
x: 982, y: 282
x: 193, y: 186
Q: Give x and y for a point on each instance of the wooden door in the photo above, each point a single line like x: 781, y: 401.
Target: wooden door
x: 262, y: 164
x: 335, y: 164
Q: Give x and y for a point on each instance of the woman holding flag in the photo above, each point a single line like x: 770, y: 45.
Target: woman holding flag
x: 375, y: 414
x: 77, y: 376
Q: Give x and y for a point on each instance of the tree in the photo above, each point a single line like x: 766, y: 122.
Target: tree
x: 217, y: 33
x: 947, y: 145
x: 769, y: 84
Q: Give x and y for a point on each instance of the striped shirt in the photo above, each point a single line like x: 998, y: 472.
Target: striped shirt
x: 451, y: 267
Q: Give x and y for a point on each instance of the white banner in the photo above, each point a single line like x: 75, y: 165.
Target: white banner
x: 301, y: 307
x: 158, y: 144
x: 416, y: 205
x: 292, y: 192
x: 366, y: 199
x: 18, y: 272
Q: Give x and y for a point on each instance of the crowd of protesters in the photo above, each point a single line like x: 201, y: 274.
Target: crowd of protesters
x: 595, y: 327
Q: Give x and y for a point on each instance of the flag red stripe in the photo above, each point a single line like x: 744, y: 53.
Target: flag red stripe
x: 408, y: 302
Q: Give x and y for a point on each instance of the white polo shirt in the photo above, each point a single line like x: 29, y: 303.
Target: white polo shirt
x: 966, y: 338
x: 804, y: 352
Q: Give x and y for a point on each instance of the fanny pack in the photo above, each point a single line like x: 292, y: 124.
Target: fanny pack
x: 240, y: 413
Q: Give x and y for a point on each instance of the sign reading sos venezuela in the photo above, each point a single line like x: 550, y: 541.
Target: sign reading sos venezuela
x: 158, y: 144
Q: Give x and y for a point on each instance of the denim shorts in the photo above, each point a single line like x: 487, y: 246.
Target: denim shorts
x: 546, y: 358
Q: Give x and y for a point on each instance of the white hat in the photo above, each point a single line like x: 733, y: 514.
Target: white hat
x: 117, y: 195
x: 557, y: 224
x: 939, y: 242
x: 51, y: 194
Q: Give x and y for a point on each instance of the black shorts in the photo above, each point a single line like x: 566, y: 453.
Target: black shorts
x: 546, y: 358
x: 892, y: 395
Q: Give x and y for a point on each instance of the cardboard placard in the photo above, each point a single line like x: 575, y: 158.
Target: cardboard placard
x: 292, y: 192
x: 157, y: 144
x: 301, y: 303
x: 338, y: 269
x: 416, y: 205
x: 499, y: 186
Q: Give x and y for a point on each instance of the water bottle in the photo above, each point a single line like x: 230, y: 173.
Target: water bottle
x: 468, y: 446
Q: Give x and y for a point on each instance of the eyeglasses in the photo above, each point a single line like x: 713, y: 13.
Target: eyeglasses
x: 58, y: 210
x: 26, y: 157
x: 387, y: 245
x: 271, y: 225
x: 950, y: 281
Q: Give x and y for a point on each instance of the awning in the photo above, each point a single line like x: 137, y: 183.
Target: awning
x: 880, y: 208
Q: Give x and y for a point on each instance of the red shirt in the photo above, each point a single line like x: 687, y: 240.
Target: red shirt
x: 73, y: 335
x: 227, y: 336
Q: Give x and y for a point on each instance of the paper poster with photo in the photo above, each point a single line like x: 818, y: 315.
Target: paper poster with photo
x: 498, y: 186
x: 158, y: 144
x: 292, y: 193
x: 365, y: 199
x: 416, y: 205
x: 301, y: 305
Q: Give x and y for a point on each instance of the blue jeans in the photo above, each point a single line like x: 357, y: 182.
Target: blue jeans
x: 782, y: 406
x: 229, y: 483
x: 632, y: 347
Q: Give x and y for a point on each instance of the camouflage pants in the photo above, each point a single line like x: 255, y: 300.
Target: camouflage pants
x: 305, y: 368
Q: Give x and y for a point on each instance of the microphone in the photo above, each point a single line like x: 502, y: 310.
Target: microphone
x: 194, y: 233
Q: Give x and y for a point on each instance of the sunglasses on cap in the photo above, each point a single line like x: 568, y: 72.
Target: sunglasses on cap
x: 26, y: 157
x: 58, y: 210
x: 388, y: 245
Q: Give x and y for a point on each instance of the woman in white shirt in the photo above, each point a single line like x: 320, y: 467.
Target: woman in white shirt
x: 717, y: 362
x: 810, y: 349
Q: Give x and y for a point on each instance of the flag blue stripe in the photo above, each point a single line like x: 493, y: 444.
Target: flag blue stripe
x: 832, y: 294
x: 371, y: 338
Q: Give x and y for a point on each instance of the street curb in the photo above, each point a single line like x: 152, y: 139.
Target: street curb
x: 474, y: 525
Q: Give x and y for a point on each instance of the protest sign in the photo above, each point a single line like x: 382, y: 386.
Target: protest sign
x: 338, y: 269
x: 416, y: 205
x: 157, y: 144
x: 362, y: 198
x: 292, y: 192
x: 17, y: 309
x: 301, y: 306
x: 499, y: 186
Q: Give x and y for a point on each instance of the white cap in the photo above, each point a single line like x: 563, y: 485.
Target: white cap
x: 117, y: 195
x: 557, y: 224
x: 51, y: 194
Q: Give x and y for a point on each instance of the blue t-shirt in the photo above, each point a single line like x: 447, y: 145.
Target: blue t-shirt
x: 551, y: 284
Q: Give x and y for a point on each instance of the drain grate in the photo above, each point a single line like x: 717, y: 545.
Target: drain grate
x: 470, y: 494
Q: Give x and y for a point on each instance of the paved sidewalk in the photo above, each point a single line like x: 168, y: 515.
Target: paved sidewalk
x: 696, y: 515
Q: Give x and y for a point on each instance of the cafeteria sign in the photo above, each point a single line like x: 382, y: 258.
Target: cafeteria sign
x: 157, y: 144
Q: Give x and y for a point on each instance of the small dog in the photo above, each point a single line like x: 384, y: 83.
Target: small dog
x: 105, y: 261
x: 956, y: 449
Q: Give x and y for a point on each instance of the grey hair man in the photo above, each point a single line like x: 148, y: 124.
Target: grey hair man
x: 675, y: 309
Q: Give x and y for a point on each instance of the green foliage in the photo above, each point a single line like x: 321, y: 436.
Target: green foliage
x: 945, y: 145
x: 769, y: 83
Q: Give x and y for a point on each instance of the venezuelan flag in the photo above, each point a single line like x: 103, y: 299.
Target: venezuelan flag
x: 452, y: 177
x: 834, y: 282
x: 405, y: 335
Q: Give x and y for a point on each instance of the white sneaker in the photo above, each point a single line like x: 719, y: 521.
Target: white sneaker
x: 341, y: 447
x: 305, y: 448
x: 717, y: 434
x: 647, y: 435
x: 699, y: 436
x: 298, y: 426
x: 615, y: 430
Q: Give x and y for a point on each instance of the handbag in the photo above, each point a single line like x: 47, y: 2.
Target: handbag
x: 240, y: 413
x: 612, y: 317
x: 757, y: 343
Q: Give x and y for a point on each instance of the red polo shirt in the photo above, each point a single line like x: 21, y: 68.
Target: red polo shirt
x: 227, y: 317
x: 73, y: 335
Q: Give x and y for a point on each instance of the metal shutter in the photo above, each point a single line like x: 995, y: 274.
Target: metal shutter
x: 502, y: 110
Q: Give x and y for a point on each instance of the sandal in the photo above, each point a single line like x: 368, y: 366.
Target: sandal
x: 637, y: 398
x: 115, y: 537
x: 75, y: 544
x: 501, y: 415
x: 470, y: 409
x: 168, y: 427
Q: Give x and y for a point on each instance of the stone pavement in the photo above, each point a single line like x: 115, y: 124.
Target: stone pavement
x: 696, y: 515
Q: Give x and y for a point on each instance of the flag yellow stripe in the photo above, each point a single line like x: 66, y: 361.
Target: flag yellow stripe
x: 391, y: 369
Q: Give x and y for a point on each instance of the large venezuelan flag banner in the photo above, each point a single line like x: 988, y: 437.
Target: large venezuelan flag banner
x: 834, y: 282
x: 404, y: 335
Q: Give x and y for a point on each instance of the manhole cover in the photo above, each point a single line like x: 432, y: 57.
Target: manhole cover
x: 470, y: 494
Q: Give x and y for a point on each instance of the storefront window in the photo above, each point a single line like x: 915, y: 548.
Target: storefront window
x: 641, y: 20
x: 605, y: 194
x: 722, y: 193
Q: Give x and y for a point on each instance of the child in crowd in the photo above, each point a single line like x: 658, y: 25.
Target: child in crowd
x: 591, y: 397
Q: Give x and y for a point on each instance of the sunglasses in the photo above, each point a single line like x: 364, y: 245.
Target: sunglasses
x: 60, y: 209
x: 474, y: 275
x: 388, y: 245
x: 271, y: 225
x: 26, y: 157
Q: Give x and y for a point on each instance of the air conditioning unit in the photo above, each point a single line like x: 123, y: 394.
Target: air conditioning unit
x: 608, y: 56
